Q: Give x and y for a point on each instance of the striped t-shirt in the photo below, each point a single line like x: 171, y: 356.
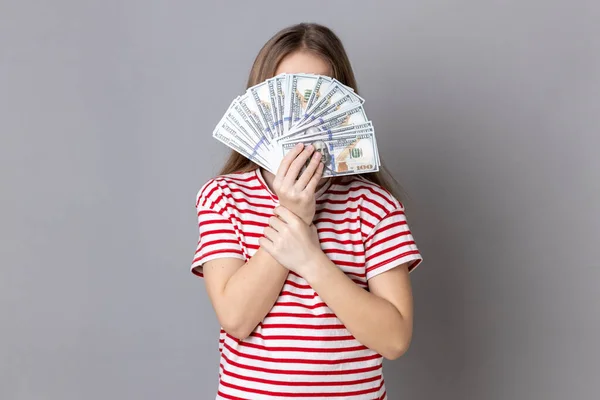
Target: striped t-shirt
x: 301, y: 350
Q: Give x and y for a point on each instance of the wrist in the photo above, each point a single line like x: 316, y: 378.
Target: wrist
x: 308, y: 221
x: 316, y: 265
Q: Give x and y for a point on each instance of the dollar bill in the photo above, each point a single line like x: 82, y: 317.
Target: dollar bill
x: 320, y: 131
x: 237, y: 145
x: 271, y: 84
x: 250, y: 124
x: 337, y: 94
x: 272, y: 116
x: 261, y: 146
x: 302, y: 87
x: 349, y: 116
x: 254, y: 151
x: 291, y: 83
x: 262, y: 99
x: 329, y: 136
x: 252, y: 110
x: 327, y: 109
x: 281, y: 94
x: 343, y: 155
x: 321, y: 86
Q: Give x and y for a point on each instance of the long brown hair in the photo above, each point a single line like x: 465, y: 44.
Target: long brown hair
x: 321, y: 41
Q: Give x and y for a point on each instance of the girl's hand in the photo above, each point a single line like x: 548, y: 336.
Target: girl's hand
x: 298, y: 195
x: 290, y: 241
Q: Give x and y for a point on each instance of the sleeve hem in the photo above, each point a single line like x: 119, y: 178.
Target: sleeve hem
x: 197, y: 266
x: 413, y: 259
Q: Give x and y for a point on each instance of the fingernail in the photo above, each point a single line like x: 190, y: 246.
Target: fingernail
x: 298, y: 145
x: 309, y: 147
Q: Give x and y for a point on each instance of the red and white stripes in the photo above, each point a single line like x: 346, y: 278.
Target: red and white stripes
x: 301, y: 350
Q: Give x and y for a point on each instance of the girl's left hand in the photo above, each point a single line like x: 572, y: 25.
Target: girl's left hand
x: 290, y: 241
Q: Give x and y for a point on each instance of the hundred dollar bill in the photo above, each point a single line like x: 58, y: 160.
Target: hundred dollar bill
x: 271, y: 84
x: 238, y: 122
x: 223, y: 133
x: 237, y: 114
x: 302, y: 87
x: 290, y: 84
x: 337, y: 94
x: 349, y: 116
x: 262, y: 147
x: 330, y: 136
x: 343, y: 155
x: 354, y: 132
x: 262, y: 99
x: 289, y: 108
x: 252, y: 111
x: 320, y: 131
x: 255, y: 150
x: 281, y: 92
x: 376, y: 149
x: 327, y: 109
x: 321, y: 86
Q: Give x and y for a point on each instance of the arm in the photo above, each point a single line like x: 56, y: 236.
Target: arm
x: 243, y: 293
x: 381, y: 319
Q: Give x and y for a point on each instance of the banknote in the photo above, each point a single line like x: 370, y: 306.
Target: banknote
x: 335, y: 96
x: 329, y: 136
x: 320, y: 131
x: 262, y: 99
x: 250, y: 125
x: 281, y: 95
x: 347, y: 116
x: 251, y: 109
x: 326, y: 109
x: 266, y: 121
x: 236, y: 144
x: 255, y: 150
x: 343, y: 155
x: 302, y: 88
x: 321, y: 85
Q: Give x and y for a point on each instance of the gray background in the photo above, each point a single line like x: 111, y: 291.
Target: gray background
x: 487, y: 112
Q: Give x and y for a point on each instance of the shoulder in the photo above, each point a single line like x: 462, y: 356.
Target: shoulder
x: 217, y: 191
x: 372, y: 202
x: 373, y: 196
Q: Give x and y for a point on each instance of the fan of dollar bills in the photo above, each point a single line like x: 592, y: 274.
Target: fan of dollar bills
x: 272, y: 117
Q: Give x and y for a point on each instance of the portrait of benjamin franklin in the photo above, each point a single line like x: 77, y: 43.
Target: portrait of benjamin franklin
x: 321, y: 147
x: 326, y: 158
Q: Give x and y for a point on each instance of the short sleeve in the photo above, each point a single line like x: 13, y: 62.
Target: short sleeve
x: 217, y: 237
x: 390, y: 244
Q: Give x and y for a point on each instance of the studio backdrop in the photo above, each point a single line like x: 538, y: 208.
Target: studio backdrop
x: 486, y: 112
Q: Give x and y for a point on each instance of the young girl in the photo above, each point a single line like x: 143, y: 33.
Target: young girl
x: 308, y: 276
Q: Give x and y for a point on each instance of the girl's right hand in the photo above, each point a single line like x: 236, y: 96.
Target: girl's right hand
x: 298, y: 195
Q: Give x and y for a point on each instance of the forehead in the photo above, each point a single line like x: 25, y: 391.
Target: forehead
x: 304, y: 62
